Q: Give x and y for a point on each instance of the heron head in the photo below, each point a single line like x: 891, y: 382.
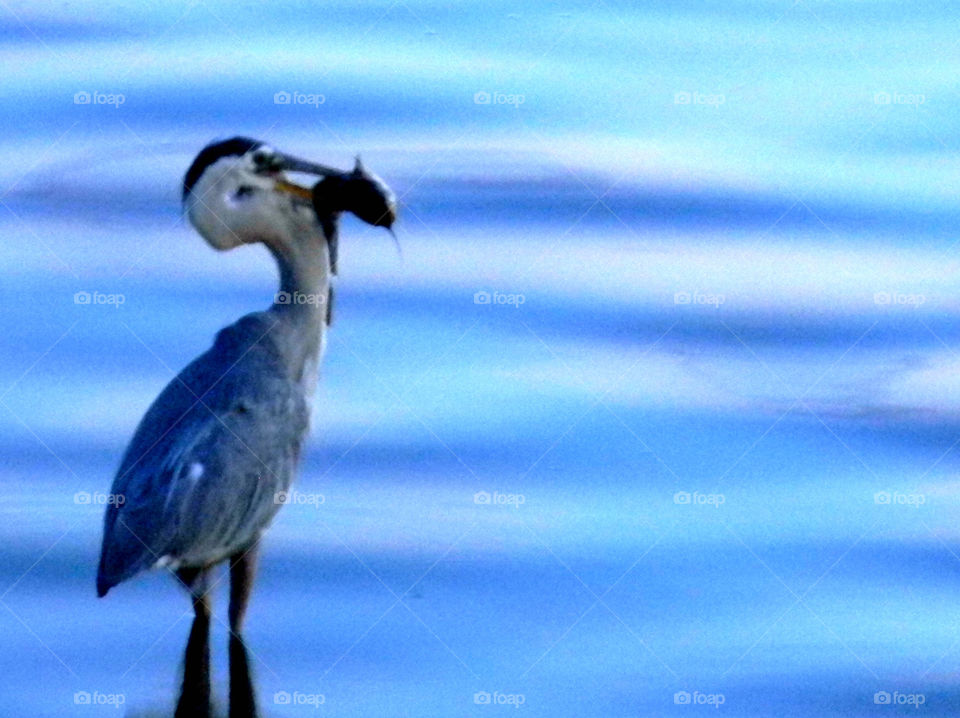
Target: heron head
x: 238, y: 192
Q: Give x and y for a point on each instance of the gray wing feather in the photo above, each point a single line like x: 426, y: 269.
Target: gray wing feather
x: 199, y: 477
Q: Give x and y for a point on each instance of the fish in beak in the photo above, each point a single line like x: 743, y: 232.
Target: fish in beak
x: 358, y: 191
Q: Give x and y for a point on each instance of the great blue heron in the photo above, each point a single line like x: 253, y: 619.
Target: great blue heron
x: 212, y: 458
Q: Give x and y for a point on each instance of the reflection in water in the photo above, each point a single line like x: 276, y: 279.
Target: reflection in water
x: 195, y: 694
x: 243, y: 699
x: 195, y: 697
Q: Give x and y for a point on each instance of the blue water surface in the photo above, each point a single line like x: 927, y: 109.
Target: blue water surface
x: 698, y: 451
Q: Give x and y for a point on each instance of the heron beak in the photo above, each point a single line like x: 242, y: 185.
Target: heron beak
x: 288, y: 163
x: 295, y: 164
x: 302, y: 193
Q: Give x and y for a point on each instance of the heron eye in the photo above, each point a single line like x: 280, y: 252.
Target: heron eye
x: 262, y: 159
x: 244, y: 191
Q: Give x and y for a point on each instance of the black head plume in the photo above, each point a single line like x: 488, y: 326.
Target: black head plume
x: 235, y: 146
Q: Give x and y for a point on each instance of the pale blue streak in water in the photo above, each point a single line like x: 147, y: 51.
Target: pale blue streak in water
x: 795, y: 402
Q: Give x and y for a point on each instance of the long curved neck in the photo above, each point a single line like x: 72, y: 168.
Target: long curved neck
x: 304, y: 274
x: 302, y: 301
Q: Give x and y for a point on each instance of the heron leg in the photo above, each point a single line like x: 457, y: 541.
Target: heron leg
x: 243, y: 699
x: 195, y: 693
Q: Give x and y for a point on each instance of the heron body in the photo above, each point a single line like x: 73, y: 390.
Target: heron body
x: 204, y: 474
